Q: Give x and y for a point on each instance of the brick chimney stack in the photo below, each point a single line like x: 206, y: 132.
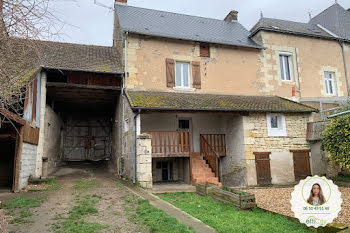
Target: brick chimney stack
x: 121, y: 1
x: 232, y: 16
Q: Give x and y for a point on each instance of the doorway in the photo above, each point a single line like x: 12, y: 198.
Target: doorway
x: 301, y: 160
x: 7, y: 159
x: 165, y: 170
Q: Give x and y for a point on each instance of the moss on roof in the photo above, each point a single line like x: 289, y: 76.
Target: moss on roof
x: 151, y: 100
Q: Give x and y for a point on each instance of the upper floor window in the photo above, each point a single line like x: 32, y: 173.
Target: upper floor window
x: 276, y: 125
x: 286, y: 66
x: 182, y: 74
x: 330, y: 83
x: 204, y: 50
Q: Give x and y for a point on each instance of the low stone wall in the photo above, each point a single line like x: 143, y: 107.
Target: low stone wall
x: 28, y: 164
x: 144, y: 161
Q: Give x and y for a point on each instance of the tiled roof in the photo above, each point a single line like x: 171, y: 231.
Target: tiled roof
x: 79, y: 57
x: 336, y: 19
x: 171, y: 25
x: 151, y: 100
x: 284, y: 26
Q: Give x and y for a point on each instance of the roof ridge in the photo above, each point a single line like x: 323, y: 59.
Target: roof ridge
x: 295, y: 102
x: 76, y: 44
x: 176, y: 13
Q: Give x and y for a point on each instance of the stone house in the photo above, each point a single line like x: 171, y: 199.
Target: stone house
x: 196, y: 107
x: 181, y: 98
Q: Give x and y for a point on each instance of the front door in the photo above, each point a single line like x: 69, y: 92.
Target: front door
x: 301, y: 164
x: 263, y: 171
x: 165, y: 168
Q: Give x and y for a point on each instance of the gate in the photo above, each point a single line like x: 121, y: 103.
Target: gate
x: 87, y: 138
x: 263, y: 170
x: 301, y: 164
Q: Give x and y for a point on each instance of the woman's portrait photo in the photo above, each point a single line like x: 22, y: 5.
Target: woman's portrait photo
x: 316, y: 195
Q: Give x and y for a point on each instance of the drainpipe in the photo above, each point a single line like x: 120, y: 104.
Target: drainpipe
x: 135, y: 146
x: 124, y: 85
x: 346, y: 72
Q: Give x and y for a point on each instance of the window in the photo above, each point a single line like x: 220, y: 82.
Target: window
x: 276, y: 125
x: 204, y: 50
x: 182, y: 74
x: 330, y: 84
x: 286, y: 67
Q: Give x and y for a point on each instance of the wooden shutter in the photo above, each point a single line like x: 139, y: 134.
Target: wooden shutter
x: 196, y: 73
x: 170, y: 72
x: 301, y: 160
x: 204, y: 50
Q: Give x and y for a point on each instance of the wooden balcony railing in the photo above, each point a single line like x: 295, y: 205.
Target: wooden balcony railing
x: 217, y: 142
x: 170, y: 143
x: 209, y: 154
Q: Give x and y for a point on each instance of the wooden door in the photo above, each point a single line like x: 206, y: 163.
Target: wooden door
x: 263, y: 170
x: 301, y: 164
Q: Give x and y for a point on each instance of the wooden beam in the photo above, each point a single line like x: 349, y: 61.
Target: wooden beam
x: 6, y: 113
x: 92, y: 87
x: 17, y: 162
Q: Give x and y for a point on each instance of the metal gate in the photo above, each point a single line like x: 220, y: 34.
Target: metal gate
x: 87, y: 138
x: 301, y: 164
x: 263, y: 171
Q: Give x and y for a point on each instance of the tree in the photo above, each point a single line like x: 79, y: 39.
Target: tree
x: 336, y: 140
x: 22, y: 23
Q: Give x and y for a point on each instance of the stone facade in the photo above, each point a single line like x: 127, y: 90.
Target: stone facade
x: 144, y: 161
x: 256, y: 139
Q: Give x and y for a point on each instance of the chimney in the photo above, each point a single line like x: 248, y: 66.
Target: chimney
x: 121, y: 1
x: 232, y: 16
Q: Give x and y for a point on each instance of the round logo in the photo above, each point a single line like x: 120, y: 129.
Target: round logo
x: 316, y: 201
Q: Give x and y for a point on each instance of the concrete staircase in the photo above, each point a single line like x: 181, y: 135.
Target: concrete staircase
x: 201, y: 172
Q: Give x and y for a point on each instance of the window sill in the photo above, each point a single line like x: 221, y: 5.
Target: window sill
x: 184, y: 89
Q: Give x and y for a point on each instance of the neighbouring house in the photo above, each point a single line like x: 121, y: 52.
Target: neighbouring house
x: 196, y: 107
x: 70, y: 113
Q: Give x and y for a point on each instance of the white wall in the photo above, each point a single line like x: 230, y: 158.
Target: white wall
x: 27, y: 164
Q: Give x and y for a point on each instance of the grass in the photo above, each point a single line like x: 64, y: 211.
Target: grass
x: 20, y: 208
x: 343, y: 178
x: 52, y: 184
x: 84, y: 184
x: 75, y: 222
x: 144, y: 214
x: 227, y: 218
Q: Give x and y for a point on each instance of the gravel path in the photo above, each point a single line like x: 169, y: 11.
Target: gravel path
x: 270, y: 199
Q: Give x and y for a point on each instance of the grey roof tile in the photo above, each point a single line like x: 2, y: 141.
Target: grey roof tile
x: 336, y: 19
x: 179, y: 26
x: 279, y: 25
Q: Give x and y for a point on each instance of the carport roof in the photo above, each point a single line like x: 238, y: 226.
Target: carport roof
x: 163, y: 101
x: 79, y: 57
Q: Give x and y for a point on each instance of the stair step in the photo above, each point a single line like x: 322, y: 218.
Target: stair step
x: 201, y: 170
x: 203, y: 175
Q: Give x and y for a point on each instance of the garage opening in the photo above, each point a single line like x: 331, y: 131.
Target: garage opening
x: 80, y: 117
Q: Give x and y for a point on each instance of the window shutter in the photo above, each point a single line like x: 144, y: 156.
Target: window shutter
x: 204, y: 50
x: 170, y: 72
x: 196, y: 74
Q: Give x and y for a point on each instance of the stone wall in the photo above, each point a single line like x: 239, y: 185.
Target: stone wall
x: 116, y: 142
x: 144, y: 161
x: 256, y: 139
x: 52, y: 146
x: 128, y: 141
x: 27, y: 164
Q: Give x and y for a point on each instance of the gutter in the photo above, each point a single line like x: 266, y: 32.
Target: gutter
x: 135, y: 146
x: 339, y: 114
x: 223, y: 110
x: 345, y: 68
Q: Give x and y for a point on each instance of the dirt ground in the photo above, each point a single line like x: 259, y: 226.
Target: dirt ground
x: 270, y: 199
x: 59, y: 203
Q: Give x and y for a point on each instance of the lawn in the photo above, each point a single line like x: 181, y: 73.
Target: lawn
x: 227, y: 218
x: 157, y: 221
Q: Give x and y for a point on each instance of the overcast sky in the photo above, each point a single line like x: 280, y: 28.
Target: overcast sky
x: 88, y: 23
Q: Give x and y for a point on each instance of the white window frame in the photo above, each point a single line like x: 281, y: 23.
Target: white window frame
x: 182, y: 78
x: 126, y: 125
x: 281, y: 131
x: 329, y: 81
x: 290, y: 66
